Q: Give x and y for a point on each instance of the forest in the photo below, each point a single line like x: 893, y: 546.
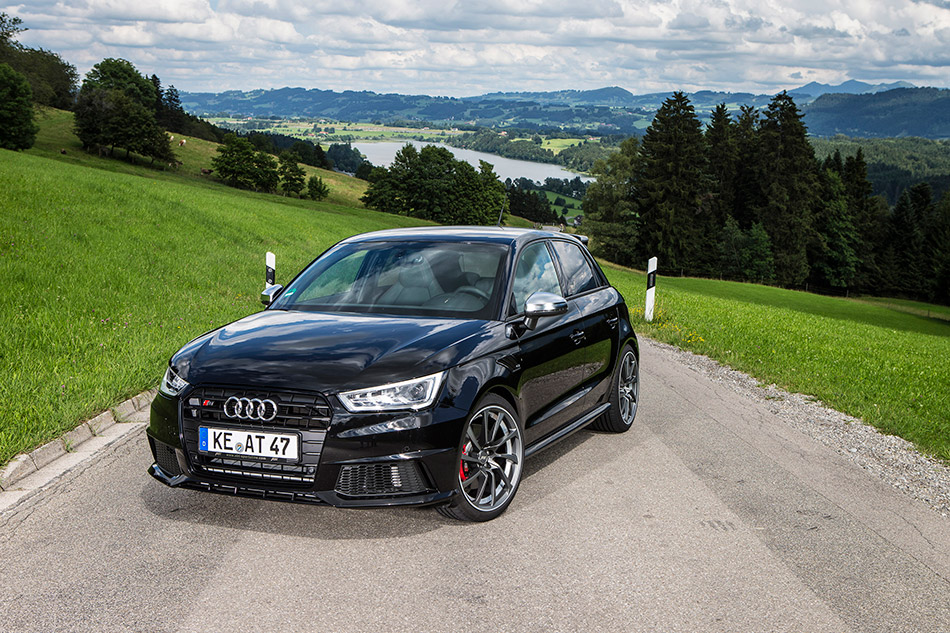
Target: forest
x: 746, y: 198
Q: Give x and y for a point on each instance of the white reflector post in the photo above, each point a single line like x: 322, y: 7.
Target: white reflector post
x: 651, y: 289
x: 270, y: 275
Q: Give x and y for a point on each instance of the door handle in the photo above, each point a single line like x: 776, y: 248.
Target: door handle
x: 578, y: 337
x: 612, y: 321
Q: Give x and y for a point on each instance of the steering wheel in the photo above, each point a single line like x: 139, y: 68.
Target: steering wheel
x: 472, y: 290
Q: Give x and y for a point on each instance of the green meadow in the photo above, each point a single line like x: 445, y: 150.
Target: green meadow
x: 110, y: 266
x: 874, y: 361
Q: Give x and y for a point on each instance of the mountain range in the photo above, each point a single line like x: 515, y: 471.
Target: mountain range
x: 853, y: 108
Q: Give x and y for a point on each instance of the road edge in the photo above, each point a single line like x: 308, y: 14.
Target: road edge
x: 30, y: 472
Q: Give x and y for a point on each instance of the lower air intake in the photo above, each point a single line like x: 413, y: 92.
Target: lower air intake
x: 384, y: 479
x: 165, y: 457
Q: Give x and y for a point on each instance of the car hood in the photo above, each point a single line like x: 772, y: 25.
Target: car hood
x: 328, y: 351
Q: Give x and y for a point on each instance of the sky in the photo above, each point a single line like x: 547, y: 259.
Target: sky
x: 465, y: 48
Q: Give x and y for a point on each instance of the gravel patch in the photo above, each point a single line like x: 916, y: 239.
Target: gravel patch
x: 891, y: 458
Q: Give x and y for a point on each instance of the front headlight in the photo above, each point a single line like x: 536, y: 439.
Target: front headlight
x: 172, y: 384
x: 414, y: 394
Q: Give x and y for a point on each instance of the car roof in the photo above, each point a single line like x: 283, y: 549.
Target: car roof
x: 493, y: 234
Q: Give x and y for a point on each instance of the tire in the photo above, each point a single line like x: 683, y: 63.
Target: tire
x: 490, y: 462
x: 624, y: 395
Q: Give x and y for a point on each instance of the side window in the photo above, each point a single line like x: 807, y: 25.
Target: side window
x: 578, y: 275
x: 535, y: 273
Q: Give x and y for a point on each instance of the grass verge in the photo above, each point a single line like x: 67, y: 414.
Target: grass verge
x: 887, y: 367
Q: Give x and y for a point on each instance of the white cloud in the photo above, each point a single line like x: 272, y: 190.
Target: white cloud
x: 456, y: 47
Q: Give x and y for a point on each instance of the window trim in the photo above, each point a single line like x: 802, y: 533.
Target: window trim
x: 596, y: 272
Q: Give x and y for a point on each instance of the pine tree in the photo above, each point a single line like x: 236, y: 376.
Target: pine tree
x: 730, y: 246
x: 723, y: 156
x: 317, y: 189
x: 907, y: 239
x: 292, y: 175
x: 858, y: 192
x: 938, y: 237
x: 674, y: 219
x: 787, y: 174
x: 748, y: 195
x: 757, y: 257
x: 835, y: 260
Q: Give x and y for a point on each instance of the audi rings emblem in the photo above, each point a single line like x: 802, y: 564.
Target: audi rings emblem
x: 250, y: 409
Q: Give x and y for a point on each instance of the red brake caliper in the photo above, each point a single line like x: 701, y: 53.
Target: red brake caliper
x: 463, y: 469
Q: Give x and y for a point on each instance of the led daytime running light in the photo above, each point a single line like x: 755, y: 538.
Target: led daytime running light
x: 414, y: 394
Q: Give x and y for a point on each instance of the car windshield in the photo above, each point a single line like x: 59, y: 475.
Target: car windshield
x: 452, y: 279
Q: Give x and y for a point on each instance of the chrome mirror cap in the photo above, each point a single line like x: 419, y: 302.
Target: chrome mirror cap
x: 542, y: 304
x: 270, y: 293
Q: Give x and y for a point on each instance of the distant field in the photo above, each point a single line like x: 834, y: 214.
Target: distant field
x: 561, y: 209
x: 557, y: 144
x: 304, y: 129
x: 885, y: 366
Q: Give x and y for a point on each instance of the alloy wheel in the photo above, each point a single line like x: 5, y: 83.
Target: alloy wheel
x: 628, y: 387
x: 491, y: 458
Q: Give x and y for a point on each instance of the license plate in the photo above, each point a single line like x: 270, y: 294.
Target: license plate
x: 251, y: 443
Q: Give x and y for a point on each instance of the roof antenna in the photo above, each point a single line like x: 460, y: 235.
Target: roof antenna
x: 501, y: 213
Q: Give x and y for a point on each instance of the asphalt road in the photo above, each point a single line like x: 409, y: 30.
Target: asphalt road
x: 709, y: 515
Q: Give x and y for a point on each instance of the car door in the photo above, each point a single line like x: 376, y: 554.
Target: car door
x: 596, y: 303
x: 552, y: 355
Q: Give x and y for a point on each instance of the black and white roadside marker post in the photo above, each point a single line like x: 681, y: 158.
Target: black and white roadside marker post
x: 651, y: 289
x: 270, y: 275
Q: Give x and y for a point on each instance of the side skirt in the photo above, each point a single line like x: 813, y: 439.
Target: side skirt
x: 578, y: 424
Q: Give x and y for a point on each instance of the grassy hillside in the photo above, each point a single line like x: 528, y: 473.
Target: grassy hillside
x: 56, y: 134
x: 876, y: 362
x: 107, y: 273
x: 561, y: 209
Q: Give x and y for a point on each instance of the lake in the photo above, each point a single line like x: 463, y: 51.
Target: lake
x: 382, y: 154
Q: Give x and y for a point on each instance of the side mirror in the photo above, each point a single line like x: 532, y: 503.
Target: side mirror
x: 542, y: 304
x: 270, y: 293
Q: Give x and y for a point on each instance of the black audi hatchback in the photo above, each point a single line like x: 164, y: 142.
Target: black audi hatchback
x: 403, y: 367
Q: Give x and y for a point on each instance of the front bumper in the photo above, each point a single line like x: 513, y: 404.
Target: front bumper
x: 365, y: 460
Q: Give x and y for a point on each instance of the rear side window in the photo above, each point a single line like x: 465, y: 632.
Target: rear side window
x: 578, y: 275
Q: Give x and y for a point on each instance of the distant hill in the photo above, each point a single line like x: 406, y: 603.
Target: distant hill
x: 369, y: 106
x: 814, y: 89
x: 923, y: 112
x: 855, y: 109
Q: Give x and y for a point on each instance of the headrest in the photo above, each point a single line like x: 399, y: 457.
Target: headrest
x: 415, y: 274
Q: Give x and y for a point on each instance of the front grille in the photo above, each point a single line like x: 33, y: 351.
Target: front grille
x: 307, y: 413
x: 383, y: 479
x: 165, y: 457
x: 295, y: 410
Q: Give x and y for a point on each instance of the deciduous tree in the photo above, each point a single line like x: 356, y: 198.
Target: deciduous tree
x: 433, y: 185
x: 610, y: 206
x: 17, y: 129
